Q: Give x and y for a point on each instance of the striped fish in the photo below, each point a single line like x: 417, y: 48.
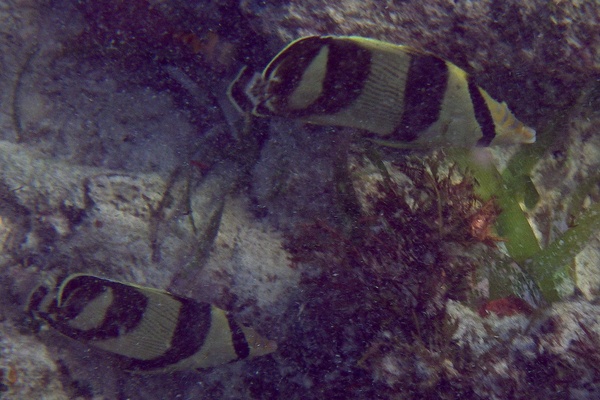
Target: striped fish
x: 395, y: 93
x: 149, y: 330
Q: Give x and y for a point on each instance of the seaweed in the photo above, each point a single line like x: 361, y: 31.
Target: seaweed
x: 515, y: 193
x: 422, y: 233
x: 384, y: 283
x: 549, y: 266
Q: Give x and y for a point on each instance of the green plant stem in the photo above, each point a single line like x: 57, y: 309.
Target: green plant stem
x: 512, y: 224
x: 550, y: 266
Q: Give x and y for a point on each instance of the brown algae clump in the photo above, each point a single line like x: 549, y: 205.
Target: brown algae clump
x: 384, y: 282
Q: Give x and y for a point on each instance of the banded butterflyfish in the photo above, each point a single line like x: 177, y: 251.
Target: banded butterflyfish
x: 394, y: 93
x: 149, y: 330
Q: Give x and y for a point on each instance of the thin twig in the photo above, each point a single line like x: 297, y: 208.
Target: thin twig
x: 16, y: 110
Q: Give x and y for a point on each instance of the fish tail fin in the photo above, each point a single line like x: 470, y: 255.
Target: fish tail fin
x: 508, y: 128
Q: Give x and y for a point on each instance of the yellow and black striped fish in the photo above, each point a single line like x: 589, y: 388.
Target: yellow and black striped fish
x: 150, y: 330
x: 394, y: 92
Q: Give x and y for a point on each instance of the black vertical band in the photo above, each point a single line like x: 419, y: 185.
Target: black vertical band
x: 290, y: 63
x: 240, y: 344
x: 482, y: 115
x: 346, y: 71
x: 122, y: 316
x: 348, y: 66
x: 193, y: 325
x: 426, y: 84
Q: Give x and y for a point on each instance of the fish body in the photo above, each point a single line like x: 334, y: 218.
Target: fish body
x: 150, y: 330
x: 394, y: 93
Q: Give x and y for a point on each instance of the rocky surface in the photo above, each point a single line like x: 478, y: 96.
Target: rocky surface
x: 536, y: 55
x: 119, y: 157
